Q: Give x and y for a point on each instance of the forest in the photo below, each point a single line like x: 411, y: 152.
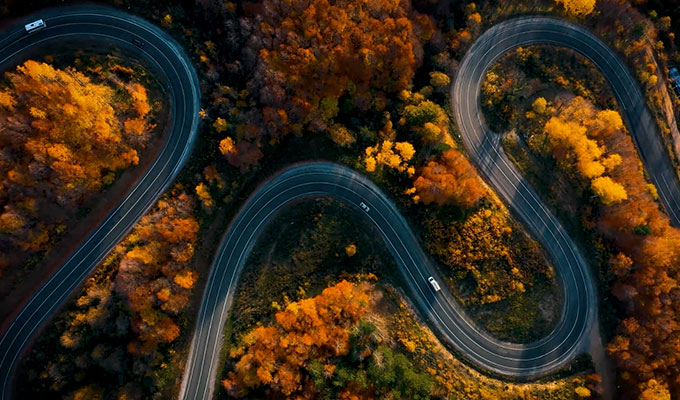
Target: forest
x: 65, y: 137
x: 115, y: 339
x: 365, y: 84
x: 617, y: 206
x: 322, y: 250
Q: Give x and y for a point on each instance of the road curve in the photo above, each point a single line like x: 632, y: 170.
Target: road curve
x: 485, y: 149
x: 111, y: 27
x: 442, y: 311
x: 444, y: 314
x: 484, y: 145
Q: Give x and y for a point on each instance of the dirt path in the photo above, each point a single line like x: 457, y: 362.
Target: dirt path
x: 603, y: 364
x: 668, y: 111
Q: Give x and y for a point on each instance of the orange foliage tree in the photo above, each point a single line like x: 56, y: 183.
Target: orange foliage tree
x: 648, y: 277
x: 276, y: 356
x: 451, y: 179
x: 128, y: 314
x: 241, y: 154
x: 63, y: 138
x: 153, y: 275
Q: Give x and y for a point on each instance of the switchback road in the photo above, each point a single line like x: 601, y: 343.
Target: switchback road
x: 442, y: 311
x: 117, y: 29
x: 326, y: 179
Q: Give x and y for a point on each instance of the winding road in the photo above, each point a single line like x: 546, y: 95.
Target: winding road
x: 110, y: 27
x: 443, y: 313
x: 327, y: 179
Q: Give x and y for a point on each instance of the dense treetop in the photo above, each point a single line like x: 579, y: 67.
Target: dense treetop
x: 62, y: 138
x: 312, y: 58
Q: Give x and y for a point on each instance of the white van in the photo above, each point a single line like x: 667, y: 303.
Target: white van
x: 434, y: 284
x: 35, y: 26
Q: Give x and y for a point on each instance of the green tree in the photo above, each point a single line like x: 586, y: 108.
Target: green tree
x: 418, y: 115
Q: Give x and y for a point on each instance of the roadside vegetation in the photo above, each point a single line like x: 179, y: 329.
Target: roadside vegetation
x: 640, y: 31
x: 399, y: 136
x: 118, y: 337
x: 373, y: 96
x: 336, y: 326
x: 617, y: 209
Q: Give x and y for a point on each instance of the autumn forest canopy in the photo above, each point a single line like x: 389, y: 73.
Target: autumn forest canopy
x: 314, y: 59
x: 366, y: 84
x: 64, y: 137
x: 321, y: 346
x: 118, y: 333
x: 620, y: 208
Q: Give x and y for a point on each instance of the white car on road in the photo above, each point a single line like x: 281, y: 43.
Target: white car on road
x: 35, y: 26
x: 434, y: 284
x: 365, y: 207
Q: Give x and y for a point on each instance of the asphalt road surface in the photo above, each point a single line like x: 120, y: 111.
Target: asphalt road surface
x: 483, y: 145
x: 327, y: 179
x: 442, y: 311
x: 114, y: 28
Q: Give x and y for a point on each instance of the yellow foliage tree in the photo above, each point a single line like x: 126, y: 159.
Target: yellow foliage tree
x: 227, y: 146
x: 607, y: 122
x: 220, y: 125
x: 612, y: 162
x: 578, y: 7
x: 142, y: 254
x: 654, y: 390
x: 609, y: 191
x: 539, y: 105
x: 341, y: 136
x: 405, y: 149
x: 204, y: 195
x: 439, y: 79
x: 572, y: 135
x: 384, y: 154
x: 186, y: 279
x: 582, y: 392
x: 140, y: 100
x: 370, y: 164
x: 578, y: 131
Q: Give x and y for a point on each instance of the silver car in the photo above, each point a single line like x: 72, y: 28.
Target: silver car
x: 434, y: 284
x: 364, y: 206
